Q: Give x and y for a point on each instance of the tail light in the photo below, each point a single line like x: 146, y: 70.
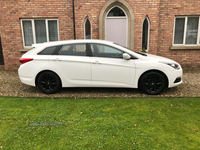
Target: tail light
x: 24, y: 60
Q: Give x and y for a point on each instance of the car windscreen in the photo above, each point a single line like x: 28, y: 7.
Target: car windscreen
x: 143, y: 54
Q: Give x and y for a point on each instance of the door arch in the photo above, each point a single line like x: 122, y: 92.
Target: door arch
x: 130, y: 20
x: 116, y: 26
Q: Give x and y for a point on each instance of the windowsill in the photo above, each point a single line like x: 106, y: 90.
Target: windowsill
x: 24, y: 50
x: 185, y: 47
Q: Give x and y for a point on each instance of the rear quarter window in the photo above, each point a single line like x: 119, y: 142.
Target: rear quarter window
x: 47, y: 51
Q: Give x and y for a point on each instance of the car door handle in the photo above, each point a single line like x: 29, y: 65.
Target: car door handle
x: 56, y: 59
x: 96, y: 62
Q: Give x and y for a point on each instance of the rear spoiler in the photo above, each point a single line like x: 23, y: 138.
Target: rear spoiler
x: 35, y: 45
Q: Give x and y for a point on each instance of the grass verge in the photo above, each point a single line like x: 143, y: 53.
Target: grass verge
x: 113, y: 123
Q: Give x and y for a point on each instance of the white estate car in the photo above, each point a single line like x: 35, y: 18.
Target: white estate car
x: 96, y: 63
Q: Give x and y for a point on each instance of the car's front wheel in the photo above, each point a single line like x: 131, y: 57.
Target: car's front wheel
x: 48, y: 82
x: 152, y: 83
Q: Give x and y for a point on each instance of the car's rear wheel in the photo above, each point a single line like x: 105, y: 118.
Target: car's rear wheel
x: 152, y: 83
x: 48, y: 82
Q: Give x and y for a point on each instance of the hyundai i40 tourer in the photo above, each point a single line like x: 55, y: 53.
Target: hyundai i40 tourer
x: 96, y: 63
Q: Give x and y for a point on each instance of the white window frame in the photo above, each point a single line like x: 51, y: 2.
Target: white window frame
x: 87, y: 18
x: 33, y: 30
x: 148, y: 32
x: 185, y: 30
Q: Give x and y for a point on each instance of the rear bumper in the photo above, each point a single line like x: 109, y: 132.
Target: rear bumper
x: 26, y: 77
x: 27, y: 80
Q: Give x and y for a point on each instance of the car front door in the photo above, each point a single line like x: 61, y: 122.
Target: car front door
x: 73, y: 64
x: 109, y: 68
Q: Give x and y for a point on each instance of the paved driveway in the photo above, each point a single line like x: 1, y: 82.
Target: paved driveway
x: 10, y: 85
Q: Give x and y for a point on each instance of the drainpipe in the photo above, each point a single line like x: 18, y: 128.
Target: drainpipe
x: 1, y: 54
x: 74, y: 19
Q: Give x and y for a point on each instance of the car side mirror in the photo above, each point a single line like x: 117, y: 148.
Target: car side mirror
x: 126, y: 56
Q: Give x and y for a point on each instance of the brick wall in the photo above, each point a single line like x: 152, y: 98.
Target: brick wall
x: 168, y: 11
x: 161, y: 14
x: 92, y: 8
x: 10, y: 29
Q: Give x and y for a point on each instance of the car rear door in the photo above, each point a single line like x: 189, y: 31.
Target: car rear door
x: 73, y: 64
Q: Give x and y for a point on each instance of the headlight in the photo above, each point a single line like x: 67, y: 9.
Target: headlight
x: 173, y: 65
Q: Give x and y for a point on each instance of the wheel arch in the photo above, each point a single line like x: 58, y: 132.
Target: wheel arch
x: 154, y: 70
x: 47, y: 71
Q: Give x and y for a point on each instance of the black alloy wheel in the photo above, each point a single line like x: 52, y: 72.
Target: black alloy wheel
x: 152, y: 83
x: 48, y: 82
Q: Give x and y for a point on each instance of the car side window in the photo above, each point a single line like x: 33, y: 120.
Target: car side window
x: 99, y: 50
x: 47, y: 51
x: 73, y: 50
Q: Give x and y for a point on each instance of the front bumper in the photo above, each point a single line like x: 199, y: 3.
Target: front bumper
x: 175, y: 78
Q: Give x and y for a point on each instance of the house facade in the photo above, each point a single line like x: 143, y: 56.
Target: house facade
x: 169, y: 28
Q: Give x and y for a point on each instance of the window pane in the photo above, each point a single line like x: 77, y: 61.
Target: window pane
x: 145, y: 34
x: 105, y: 51
x: 53, y: 30
x: 116, y: 11
x: 87, y: 29
x: 179, y: 30
x: 28, y: 33
x: 47, y: 51
x: 73, y: 49
x: 192, y: 30
x: 40, y: 31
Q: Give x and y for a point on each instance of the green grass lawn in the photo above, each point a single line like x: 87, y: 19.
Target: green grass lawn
x: 113, y: 123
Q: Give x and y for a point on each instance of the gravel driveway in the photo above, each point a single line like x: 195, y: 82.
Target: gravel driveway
x: 10, y: 85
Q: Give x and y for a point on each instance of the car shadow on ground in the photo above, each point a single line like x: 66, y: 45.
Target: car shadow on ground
x: 109, y: 92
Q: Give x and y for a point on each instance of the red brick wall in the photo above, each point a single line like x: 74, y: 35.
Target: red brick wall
x: 10, y: 29
x: 92, y: 9
x: 161, y: 14
x: 141, y: 9
x: 168, y: 11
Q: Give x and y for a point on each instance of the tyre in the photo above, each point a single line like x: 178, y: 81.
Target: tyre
x: 48, y: 82
x: 152, y: 83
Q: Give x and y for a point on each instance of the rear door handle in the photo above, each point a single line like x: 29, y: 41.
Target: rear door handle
x: 96, y: 62
x: 56, y: 59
